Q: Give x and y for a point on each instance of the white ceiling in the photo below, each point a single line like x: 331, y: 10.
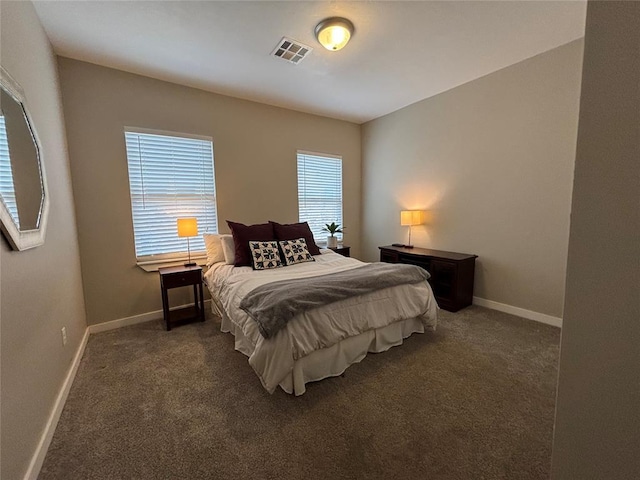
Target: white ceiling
x: 401, y: 52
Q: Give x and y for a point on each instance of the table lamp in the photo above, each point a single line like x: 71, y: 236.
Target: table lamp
x: 409, y: 218
x: 188, y: 227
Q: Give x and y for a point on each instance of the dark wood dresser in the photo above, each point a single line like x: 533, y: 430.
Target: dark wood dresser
x: 451, y: 273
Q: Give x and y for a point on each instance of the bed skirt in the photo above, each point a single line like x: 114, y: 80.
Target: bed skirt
x: 331, y: 361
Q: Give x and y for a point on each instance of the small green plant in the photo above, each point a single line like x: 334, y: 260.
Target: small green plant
x: 332, y: 228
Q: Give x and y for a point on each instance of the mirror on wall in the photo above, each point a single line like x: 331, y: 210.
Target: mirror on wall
x: 23, y: 191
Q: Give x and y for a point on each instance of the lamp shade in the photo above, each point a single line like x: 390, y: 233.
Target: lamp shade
x: 187, y: 227
x: 410, y: 217
x: 334, y: 33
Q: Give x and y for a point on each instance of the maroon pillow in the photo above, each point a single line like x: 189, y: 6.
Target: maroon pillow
x: 243, y: 234
x: 293, y: 231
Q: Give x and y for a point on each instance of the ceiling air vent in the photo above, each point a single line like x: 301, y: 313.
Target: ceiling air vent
x: 291, y: 51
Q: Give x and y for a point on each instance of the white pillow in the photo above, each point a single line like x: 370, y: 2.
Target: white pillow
x: 214, y: 248
x: 229, y: 249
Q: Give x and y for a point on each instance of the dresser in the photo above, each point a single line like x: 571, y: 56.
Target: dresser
x: 451, y: 273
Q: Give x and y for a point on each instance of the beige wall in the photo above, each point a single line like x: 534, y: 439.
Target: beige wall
x: 492, y: 162
x: 597, y: 429
x: 41, y: 288
x: 255, y: 167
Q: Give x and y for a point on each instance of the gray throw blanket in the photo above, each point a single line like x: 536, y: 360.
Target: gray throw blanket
x: 274, y: 304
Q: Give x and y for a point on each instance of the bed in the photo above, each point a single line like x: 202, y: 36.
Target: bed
x: 324, y: 341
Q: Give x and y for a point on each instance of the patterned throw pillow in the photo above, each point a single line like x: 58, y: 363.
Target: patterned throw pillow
x: 265, y: 255
x: 295, y: 251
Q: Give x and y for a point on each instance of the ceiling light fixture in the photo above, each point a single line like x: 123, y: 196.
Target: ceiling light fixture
x: 334, y: 33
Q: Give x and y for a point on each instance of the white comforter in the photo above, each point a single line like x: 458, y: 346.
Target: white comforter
x: 273, y: 359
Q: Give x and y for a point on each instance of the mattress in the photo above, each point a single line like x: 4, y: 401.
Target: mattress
x: 321, y: 342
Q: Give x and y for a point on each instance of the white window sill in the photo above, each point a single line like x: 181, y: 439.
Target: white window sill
x: 323, y: 243
x: 154, y: 266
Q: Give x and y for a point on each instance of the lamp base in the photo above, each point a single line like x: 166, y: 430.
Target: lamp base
x: 190, y: 264
x: 401, y: 245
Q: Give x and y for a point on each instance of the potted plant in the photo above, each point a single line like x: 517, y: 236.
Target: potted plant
x: 332, y: 228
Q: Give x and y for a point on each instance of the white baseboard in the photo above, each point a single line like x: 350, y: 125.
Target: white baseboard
x: 135, y: 319
x: 47, y: 435
x: 125, y: 322
x: 520, y: 312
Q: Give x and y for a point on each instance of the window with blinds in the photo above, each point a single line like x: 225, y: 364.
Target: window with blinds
x: 319, y: 191
x: 7, y: 188
x: 170, y: 177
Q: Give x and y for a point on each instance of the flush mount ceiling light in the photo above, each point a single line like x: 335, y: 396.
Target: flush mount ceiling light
x: 334, y: 33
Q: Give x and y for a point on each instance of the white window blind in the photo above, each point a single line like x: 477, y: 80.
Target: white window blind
x: 7, y: 188
x: 319, y: 191
x: 169, y: 177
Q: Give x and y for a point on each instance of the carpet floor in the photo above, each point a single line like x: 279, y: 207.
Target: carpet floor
x: 473, y: 400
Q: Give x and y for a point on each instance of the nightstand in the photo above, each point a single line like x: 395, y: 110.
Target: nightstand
x: 342, y: 250
x: 451, y: 273
x: 173, y: 277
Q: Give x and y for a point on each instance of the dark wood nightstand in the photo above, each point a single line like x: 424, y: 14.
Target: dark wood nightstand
x: 173, y: 277
x: 451, y: 273
x: 342, y: 250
